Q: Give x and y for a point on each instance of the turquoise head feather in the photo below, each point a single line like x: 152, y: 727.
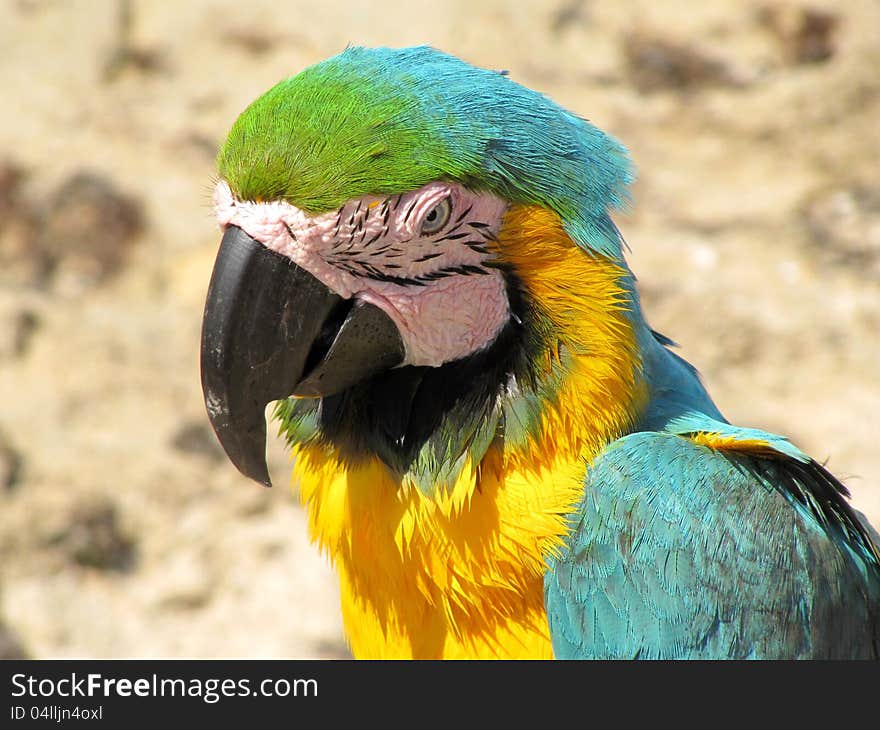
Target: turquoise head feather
x: 383, y: 121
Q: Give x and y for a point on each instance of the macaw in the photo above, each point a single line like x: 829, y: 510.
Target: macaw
x: 498, y: 454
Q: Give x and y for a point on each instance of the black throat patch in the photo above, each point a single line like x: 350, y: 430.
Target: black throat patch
x: 396, y: 414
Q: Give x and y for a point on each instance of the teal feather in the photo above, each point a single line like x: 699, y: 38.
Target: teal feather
x: 693, y: 422
x: 678, y: 551
x: 681, y: 551
x: 383, y: 121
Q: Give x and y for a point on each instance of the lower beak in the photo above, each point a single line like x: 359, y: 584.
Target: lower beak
x: 272, y: 330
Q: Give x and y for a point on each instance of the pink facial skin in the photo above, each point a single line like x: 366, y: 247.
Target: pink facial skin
x: 436, y: 287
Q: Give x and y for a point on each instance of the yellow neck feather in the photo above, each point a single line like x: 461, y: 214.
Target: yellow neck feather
x: 460, y: 573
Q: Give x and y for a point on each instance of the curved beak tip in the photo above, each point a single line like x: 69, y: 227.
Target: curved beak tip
x: 265, y: 321
x: 243, y: 442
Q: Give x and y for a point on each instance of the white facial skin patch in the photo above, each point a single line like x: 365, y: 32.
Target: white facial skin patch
x: 420, y: 256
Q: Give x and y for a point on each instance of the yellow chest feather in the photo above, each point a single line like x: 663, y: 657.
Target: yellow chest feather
x: 459, y: 573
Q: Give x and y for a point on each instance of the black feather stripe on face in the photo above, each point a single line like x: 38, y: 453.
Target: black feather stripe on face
x: 392, y: 415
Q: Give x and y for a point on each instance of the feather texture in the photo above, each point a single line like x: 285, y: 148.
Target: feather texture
x: 570, y: 488
x: 682, y: 551
x: 383, y: 121
x: 457, y: 570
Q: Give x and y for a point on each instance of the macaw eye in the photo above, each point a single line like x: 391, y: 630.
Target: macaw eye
x: 437, y: 217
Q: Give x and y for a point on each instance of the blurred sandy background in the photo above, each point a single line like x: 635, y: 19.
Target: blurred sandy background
x: 123, y: 529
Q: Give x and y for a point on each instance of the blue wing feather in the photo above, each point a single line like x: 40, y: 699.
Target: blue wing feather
x: 682, y: 551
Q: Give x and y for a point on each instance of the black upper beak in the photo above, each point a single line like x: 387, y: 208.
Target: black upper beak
x: 272, y: 330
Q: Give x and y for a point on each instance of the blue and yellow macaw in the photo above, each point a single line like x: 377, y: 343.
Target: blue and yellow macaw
x: 499, y: 455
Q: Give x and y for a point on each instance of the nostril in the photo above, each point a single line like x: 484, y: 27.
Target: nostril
x: 329, y: 331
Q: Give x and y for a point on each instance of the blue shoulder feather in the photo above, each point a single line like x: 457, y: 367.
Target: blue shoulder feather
x: 682, y: 551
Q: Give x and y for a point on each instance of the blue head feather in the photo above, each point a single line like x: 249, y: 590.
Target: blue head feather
x: 382, y: 120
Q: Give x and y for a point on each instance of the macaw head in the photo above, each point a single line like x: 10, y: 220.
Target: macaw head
x: 409, y: 244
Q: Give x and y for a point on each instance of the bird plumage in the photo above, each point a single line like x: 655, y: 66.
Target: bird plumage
x: 566, y: 487
x: 382, y: 121
x: 684, y: 551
